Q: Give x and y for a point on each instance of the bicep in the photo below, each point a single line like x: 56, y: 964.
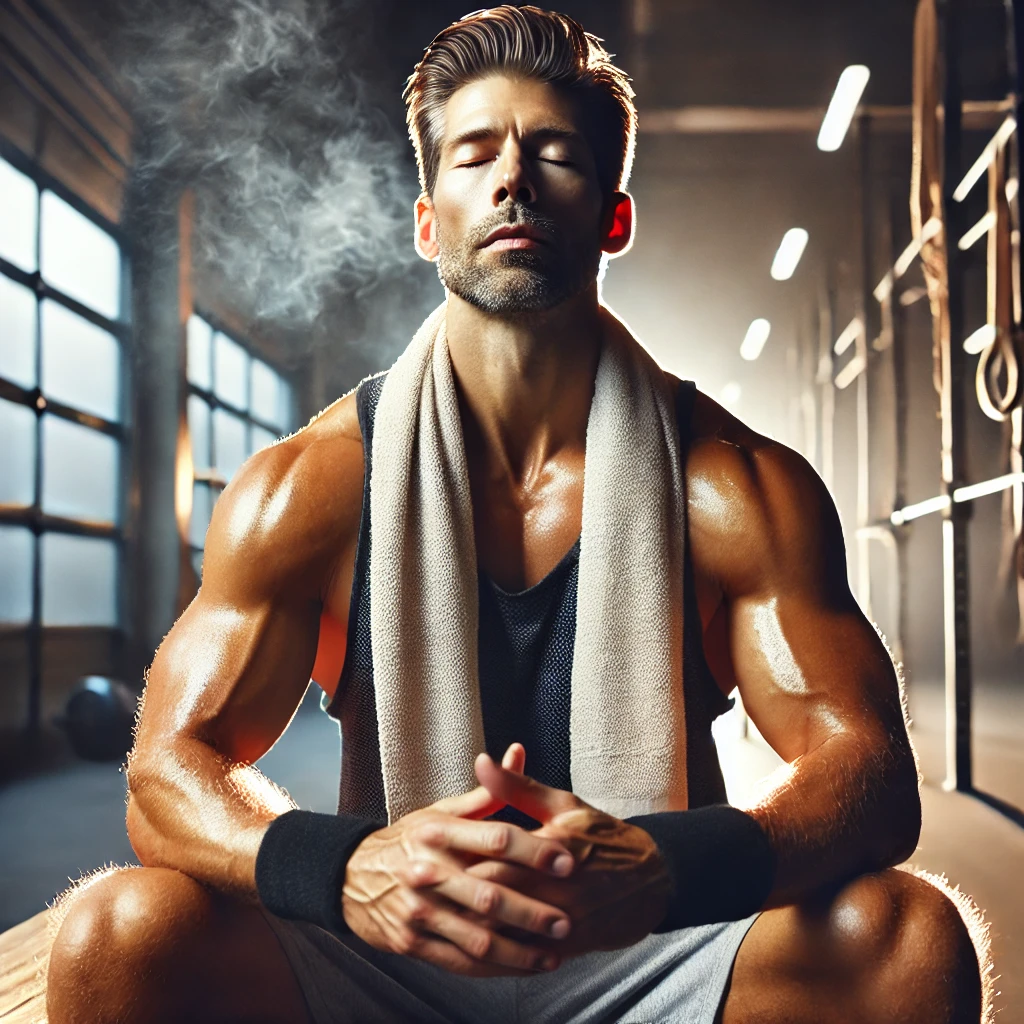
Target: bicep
x: 233, y: 669
x: 808, y: 664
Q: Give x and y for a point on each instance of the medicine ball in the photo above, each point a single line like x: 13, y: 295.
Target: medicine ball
x: 99, y: 719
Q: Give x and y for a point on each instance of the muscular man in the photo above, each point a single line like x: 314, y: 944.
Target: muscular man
x: 518, y: 900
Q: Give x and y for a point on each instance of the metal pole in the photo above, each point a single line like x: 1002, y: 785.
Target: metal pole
x: 956, y: 618
x: 897, y: 325
x: 864, y: 351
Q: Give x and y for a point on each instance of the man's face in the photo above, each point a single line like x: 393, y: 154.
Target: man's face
x: 517, y: 204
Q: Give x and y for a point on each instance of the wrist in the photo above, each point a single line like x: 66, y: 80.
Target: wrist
x: 719, y: 860
x: 300, y: 866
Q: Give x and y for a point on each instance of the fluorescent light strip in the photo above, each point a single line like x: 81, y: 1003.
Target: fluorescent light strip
x: 852, y: 83
x: 979, y: 231
x: 753, y: 343
x: 850, y: 372
x: 853, y: 331
x: 988, y: 154
x: 912, y: 295
x: 884, y: 289
x: 960, y: 495
x: 980, y: 340
x: 1000, y: 483
x: 787, y: 259
x: 912, y: 251
x: 1012, y: 188
x: 922, y: 508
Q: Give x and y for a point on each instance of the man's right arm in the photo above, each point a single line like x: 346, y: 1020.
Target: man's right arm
x: 231, y: 673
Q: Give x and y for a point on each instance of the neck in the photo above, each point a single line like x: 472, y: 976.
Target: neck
x: 525, y: 383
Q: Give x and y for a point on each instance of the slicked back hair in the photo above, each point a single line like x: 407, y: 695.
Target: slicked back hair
x: 524, y: 42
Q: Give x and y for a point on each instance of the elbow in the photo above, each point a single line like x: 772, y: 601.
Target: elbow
x: 142, y: 835
x: 899, y: 827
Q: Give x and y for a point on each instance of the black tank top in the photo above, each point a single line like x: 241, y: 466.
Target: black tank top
x: 525, y: 658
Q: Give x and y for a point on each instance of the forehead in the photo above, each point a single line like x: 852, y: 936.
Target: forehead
x: 500, y: 104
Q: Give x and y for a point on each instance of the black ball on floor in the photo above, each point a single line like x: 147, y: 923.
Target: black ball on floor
x: 99, y: 719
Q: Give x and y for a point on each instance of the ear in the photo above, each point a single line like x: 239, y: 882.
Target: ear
x: 619, y: 224
x: 426, y: 228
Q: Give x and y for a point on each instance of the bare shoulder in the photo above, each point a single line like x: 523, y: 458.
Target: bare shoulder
x: 759, y: 512
x: 293, y: 508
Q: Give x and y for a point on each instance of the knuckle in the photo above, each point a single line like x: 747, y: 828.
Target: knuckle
x: 417, y: 910
x: 480, y: 944
x: 497, y: 839
x: 428, y: 833
x: 405, y: 942
x: 488, y: 899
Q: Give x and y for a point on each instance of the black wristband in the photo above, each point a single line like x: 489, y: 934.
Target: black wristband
x: 300, y: 866
x: 720, y: 860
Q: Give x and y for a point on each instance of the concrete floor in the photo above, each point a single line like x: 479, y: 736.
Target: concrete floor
x: 68, y: 818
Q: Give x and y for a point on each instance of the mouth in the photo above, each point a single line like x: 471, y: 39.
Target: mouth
x: 515, y: 236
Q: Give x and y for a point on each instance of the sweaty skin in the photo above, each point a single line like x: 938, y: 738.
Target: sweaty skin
x: 768, y: 557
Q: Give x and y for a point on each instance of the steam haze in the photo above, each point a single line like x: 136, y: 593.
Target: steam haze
x: 303, y: 188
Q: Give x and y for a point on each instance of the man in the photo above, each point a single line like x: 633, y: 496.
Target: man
x: 483, y: 480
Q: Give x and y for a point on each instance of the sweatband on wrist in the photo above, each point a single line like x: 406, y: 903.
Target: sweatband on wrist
x: 300, y: 865
x: 720, y: 861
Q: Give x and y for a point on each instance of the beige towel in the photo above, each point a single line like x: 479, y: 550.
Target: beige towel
x: 628, y: 723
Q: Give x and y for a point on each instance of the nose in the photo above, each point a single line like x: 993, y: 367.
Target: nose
x: 512, y: 180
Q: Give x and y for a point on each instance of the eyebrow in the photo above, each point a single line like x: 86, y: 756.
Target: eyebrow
x: 490, y: 131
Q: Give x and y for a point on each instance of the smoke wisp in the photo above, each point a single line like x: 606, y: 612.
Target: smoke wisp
x: 303, y: 188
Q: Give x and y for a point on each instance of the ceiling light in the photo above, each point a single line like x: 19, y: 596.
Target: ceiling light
x: 731, y: 394
x: 788, y: 257
x: 852, y: 83
x: 980, y: 340
x: 753, y: 343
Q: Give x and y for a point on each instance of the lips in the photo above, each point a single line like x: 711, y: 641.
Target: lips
x: 515, y: 236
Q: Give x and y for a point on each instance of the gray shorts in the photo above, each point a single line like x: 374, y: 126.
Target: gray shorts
x: 679, y: 976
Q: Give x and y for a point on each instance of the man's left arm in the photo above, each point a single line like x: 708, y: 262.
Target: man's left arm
x: 816, y: 680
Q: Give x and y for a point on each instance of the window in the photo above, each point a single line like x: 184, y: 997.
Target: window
x: 61, y: 405
x: 237, y: 404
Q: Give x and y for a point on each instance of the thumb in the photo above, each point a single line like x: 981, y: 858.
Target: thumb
x: 525, y: 794
x: 480, y: 803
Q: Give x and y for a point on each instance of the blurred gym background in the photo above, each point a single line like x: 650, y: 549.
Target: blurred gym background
x: 205, y: 237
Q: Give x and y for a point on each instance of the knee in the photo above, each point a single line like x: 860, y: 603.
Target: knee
x: 120, y: 932
x: 907, y: 939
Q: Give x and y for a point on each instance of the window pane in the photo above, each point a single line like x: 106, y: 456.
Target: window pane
x: 18, y: 212
x: 79, y: 471
x: 199, y: 340
x: 268, y: 396
x: 17, y: 332
x: 202, y: 509
x: 15, y: 574
x: 260, y: 437
x: 230, y: 370
x: 199, y: 431
x: 229, y: 442
x: 79, y: 258
x: 17, y: 454
x: 79, y: 581
x: 81, y: 363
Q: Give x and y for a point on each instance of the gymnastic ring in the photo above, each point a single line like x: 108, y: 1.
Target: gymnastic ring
x: 1001, y: 352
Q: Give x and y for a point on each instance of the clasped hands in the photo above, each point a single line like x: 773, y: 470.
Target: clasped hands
x: 488, y: 898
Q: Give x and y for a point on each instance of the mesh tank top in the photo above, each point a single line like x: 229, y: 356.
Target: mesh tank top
x: 525, y: 659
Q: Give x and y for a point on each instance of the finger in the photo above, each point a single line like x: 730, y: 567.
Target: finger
x: 478, y: 941
x: 495, y: 903
x: 515, y: 759
x: 495, y: 840
x: 532, y: 797
x: 477, y: 803
x: 444, y: 954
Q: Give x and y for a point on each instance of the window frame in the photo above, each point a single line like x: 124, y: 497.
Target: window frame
x: 212, y: 478
x: 32, y: 516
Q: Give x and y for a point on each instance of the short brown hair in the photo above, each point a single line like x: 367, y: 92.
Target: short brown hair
x: 530, y: 43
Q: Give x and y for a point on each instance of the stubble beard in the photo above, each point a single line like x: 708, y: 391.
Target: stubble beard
x: 513, y: 282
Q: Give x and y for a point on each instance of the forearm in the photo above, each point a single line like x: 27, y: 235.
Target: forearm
x: 845, y: 808
x: 192, y: 809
